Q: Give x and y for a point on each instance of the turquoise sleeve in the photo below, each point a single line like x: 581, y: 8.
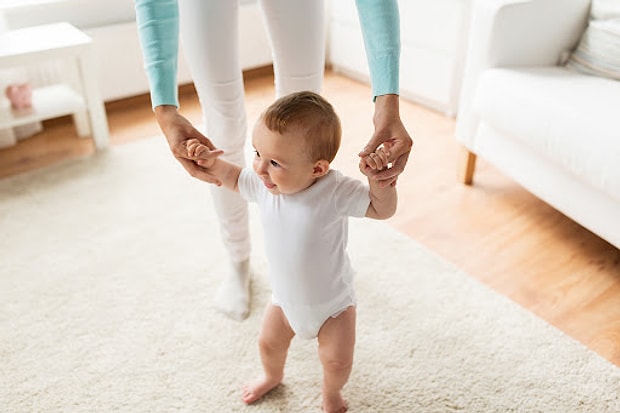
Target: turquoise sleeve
x: 380, y: 23
x: 158, y: 29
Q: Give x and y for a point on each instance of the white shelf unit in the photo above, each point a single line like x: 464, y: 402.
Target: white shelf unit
x: 39, y: 44
x: 47, y: 103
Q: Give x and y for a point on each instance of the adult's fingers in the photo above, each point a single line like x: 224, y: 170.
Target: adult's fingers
x: 198, y: 172
x: 389, y: 175
x: 372, y: 145
x: 178, y: 145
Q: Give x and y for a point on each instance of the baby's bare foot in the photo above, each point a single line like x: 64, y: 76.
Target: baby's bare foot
x: 257, y: 389
x: 334, y: 404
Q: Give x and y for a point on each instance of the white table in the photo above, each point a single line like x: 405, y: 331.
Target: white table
x: 38, y: 44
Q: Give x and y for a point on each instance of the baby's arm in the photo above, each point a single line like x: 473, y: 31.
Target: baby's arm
x: 226, y: 173
x: 383, y: 199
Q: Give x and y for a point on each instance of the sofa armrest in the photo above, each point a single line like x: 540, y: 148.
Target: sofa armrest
x: 532, y: 32
x: 510, y: 33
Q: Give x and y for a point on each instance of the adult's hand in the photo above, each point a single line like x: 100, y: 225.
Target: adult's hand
x: 178, y: 130
x: 390, y: 129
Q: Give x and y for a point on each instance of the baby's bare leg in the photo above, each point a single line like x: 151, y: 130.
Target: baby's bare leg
x: 274, y: 340
x: 336, y: 344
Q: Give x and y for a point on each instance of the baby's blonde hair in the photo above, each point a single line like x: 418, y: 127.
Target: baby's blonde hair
x: 313, y: 115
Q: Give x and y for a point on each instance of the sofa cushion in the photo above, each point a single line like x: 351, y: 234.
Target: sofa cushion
x: 570, y: 118
x: 598, y: 51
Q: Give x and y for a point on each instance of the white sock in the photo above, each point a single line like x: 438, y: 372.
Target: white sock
x: 233, y: 296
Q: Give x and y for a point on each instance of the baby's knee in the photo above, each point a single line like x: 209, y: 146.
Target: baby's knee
x: 337, y: 362
x: 269, y: 344
x: 266, y: 343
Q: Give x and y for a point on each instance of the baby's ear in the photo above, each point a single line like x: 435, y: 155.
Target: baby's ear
x: 320, y: 168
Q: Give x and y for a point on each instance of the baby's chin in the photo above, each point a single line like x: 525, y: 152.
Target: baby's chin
x: 287, y: 190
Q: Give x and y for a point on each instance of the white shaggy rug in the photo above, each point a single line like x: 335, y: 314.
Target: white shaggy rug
x: 107, y: 269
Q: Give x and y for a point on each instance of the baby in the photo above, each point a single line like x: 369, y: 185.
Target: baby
x: 304, y: 206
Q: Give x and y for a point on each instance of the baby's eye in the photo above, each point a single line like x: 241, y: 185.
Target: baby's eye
x: 256, y: 154
x: 274, y: 163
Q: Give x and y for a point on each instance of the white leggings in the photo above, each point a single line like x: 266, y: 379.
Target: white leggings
x: 209, y: 33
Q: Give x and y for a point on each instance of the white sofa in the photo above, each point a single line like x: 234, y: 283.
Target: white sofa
x: 551, y: 129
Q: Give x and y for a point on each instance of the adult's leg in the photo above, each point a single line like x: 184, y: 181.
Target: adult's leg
x: 296, y: 31
x: 336, y: 346
x: 209, y: 36
x: 273, y: 342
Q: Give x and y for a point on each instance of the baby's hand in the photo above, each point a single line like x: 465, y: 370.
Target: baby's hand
x: 376, y: 161
x: 200, y: 153
x: 195, y: 149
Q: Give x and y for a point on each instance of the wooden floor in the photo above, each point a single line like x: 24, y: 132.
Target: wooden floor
x: 494, y: 230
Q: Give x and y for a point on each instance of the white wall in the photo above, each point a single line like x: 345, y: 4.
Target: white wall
x: 433, y: 34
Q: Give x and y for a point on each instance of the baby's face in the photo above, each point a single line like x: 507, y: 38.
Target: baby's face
x: 282, y: 161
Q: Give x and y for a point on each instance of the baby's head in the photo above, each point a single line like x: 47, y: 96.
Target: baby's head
x: 307, y: 115
x: 295, y: 140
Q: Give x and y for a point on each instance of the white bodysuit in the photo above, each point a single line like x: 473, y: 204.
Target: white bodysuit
x: 305, y: 241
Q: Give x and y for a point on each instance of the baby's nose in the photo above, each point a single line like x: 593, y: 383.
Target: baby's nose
x: 260, y: 167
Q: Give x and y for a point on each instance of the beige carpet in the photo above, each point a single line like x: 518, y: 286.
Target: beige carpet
x: 108, y: 265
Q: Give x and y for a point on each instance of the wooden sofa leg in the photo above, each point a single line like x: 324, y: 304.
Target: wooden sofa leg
x: 466, y: 166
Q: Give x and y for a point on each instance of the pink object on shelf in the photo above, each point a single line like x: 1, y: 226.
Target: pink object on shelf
x: 19, y: 95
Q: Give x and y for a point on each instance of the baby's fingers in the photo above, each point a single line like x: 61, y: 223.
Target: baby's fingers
x: 363, y: 165
x: 381, y: 158
x: 377, y: 161
x: 194, y: 148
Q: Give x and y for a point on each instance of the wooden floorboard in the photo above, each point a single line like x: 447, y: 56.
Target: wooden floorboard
x: 494, y: 230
